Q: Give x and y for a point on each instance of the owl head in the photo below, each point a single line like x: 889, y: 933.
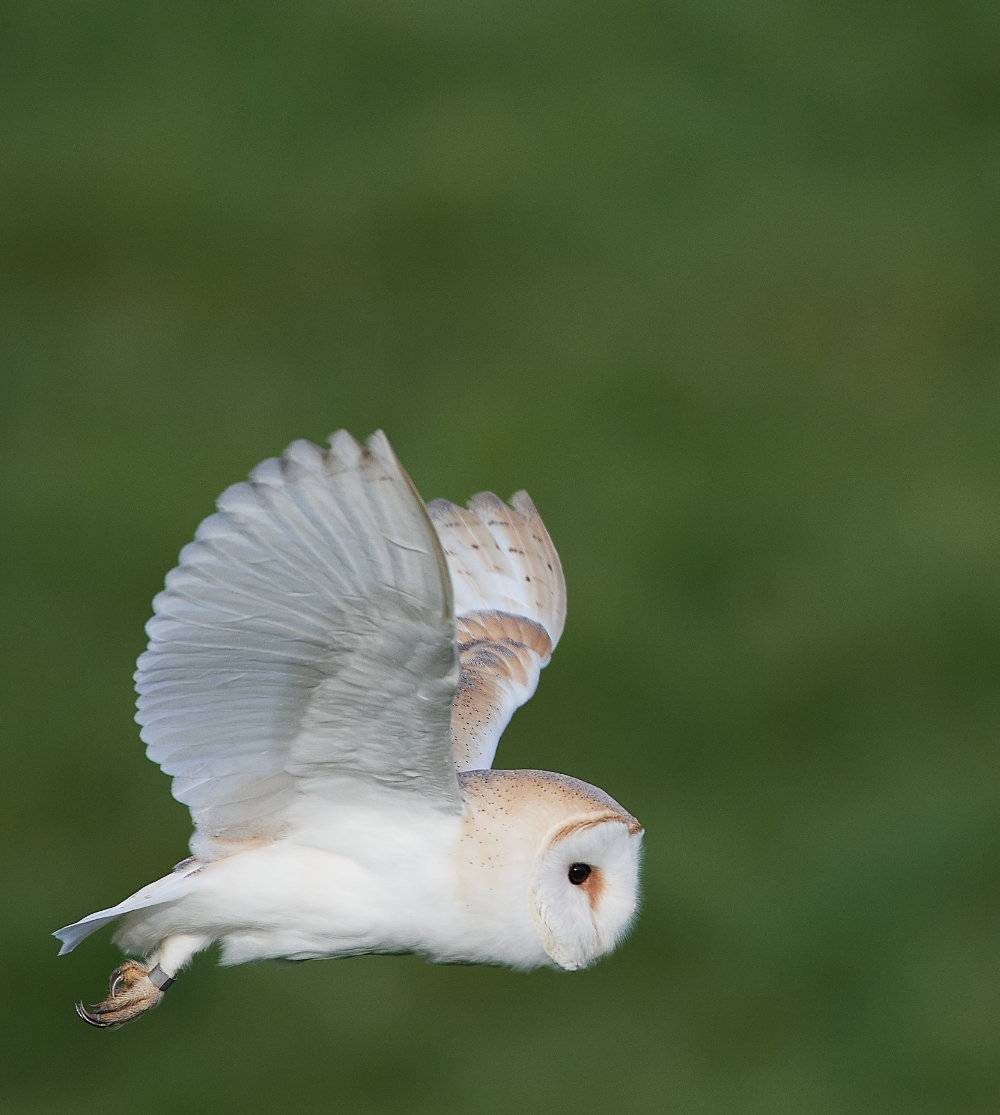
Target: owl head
x: 555, y: 864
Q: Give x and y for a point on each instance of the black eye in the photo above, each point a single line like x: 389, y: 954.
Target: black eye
x: 579, y: 873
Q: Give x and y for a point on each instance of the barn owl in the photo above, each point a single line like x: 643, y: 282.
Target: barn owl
x: 329, y: 670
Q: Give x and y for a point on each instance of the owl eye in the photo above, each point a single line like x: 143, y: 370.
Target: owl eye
x: 579, y: 873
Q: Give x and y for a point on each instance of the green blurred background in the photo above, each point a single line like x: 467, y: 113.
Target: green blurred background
x: 716, y: 282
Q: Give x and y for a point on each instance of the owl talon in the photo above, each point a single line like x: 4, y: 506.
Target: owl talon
x: 130, y: 993
x: 85, y: 1014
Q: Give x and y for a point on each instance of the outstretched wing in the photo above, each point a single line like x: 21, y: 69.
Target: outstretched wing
x: 510, y: 598
x: 305, y: 644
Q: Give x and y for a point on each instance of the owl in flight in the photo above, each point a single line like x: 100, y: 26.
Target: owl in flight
x: 329, y: 670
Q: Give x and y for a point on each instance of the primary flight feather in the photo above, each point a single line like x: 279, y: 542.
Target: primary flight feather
x: 330, y: 668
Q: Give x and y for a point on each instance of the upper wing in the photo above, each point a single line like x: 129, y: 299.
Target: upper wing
x: 305, y: 643
x: 510, y: 598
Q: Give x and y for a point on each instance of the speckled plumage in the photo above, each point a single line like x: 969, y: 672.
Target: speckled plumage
x: 329, y: 671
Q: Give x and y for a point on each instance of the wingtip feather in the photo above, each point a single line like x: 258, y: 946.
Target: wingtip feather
x: 441, y: 509
x: 379, y: 447
x: 502, y: 558
x: 270, y: 473
x: 345, y: 448
x: 486, y: 502
x: 307, y: 455
x: 524, y: 506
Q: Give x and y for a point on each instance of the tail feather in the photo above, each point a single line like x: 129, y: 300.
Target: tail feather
x: 167, y: 889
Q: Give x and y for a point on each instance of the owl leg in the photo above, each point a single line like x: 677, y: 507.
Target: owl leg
x: 133, y: 987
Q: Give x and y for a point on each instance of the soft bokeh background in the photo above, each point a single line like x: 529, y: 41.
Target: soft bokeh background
x: 715, y: 281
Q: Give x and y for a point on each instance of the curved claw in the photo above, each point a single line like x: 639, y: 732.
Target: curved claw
x: 131, y: 993
x: 92, y: 1019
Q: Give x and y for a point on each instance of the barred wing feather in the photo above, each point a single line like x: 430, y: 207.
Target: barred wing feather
x: 510, y: 600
